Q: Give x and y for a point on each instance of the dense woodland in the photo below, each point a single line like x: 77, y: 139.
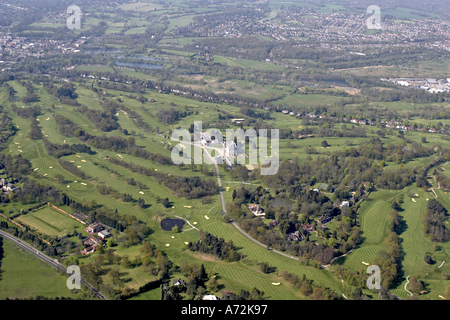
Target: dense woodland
x: 309, y: 206
x: 434, y: 221
x: 188, y: 187
x: 218, y: 247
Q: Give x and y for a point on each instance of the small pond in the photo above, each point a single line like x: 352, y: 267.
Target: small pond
x: 168, y: 224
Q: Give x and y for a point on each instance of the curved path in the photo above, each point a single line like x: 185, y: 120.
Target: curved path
x: 407, y: 281
x: 48, y: 260
x: 234, y: 223
x: 224, y: 209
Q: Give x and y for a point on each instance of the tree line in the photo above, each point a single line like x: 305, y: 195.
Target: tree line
x: 105, y: 142
x: 61, y: 150
x: 434, y: 221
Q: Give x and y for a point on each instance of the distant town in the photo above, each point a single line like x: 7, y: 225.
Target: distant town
x: 429, y: 84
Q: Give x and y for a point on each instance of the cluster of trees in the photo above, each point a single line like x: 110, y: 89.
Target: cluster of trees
x: 103, y: 120
x: 396, y: 94
x: 61, y: 150
x: 211, y: 244
x: 171, y: 115
x: 105, y: 142
x: 197, y: 284
x: 28, y: 112
x: 132, y: 182
x: 389, y: 260
x: 434, y: 221
x: 307, y: 208
x: 351, y: 166
x: 35, y: 130
x: 29, y: 96
x: 308, y: 288
x: 132, y: 167
x: 15, y: 166
x: 114, y: 107
x: 65, y: 93
x: 10, y: 92
x: 253, y: 294
x: 7, y: 128
x: 70, y: 167
x: 188, y: 187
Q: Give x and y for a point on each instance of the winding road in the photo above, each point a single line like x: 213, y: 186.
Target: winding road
x: 234, y: 223
x: 48, y: 260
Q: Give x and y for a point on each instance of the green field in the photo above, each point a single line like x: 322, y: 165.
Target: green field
x: 374, y: 219
x: 50, y: 222
x: 23, y: 276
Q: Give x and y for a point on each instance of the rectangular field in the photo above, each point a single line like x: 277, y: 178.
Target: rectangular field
x: 50, y: 222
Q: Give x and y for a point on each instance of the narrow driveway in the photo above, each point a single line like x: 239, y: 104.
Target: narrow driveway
x: 224, y: 209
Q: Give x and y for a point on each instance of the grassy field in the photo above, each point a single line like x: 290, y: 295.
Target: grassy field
x: 373, y: 217
x: 51, y: 222
x: 374, y: 220
x: 24, y: 276
x: 244, y: 274
x: 246, y: 63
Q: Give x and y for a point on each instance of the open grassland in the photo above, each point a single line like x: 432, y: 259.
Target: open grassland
x: 24, y: 276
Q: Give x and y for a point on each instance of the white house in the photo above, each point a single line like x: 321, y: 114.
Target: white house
x: 210, y: 297
x: 256, y: 210
x: 345, y: 204
x: 104, y: 234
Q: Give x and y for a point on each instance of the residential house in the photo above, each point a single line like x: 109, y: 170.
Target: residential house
x: 324, y: 219
x: 94, y: 228
x: 7, y: 186
x: 308, y: 227
x: 178, y: 282
x: 104, y: 234
x: 210, y: 297
x: 295, y: 236
x: 345, y: 204
x: 10, y: 187
x: 91, y: 241
x: 274, y: 223
x: 256, y: 210
x: 87, y: 250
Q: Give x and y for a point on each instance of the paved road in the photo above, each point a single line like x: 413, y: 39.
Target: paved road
x: 45, y: 258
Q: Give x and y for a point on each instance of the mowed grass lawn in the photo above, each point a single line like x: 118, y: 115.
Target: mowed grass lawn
x: 50, y: 222
x: 374, y: 219
x: 24, y: 276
